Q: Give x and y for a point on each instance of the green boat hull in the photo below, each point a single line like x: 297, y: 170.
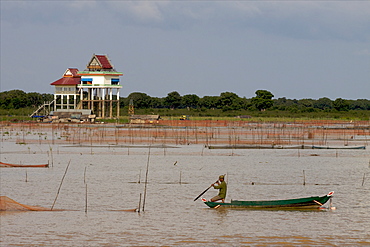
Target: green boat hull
x: 307, y: 202
x: 340, y: 147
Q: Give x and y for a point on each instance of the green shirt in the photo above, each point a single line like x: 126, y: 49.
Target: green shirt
x: 223, y: 188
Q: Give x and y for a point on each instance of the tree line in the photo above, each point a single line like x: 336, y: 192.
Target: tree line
x: 17, y: 99
x: 226, y: 101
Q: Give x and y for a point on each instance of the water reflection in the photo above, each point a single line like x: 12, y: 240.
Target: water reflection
x: 171, y: 216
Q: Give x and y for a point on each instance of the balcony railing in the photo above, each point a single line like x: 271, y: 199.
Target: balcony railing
x: 65, y: 92
x: 99, y: 85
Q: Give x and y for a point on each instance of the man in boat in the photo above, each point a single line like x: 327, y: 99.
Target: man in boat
x: 222, y: 187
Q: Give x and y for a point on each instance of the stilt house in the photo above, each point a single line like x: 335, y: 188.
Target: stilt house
x: 95, y: 89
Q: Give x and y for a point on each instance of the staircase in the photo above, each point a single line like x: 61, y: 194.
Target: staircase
x: 43, y: 107
x: 79, y: 105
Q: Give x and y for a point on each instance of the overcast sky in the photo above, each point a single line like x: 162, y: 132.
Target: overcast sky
x: 294, y: 49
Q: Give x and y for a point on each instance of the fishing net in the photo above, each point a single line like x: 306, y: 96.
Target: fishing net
x: 7, y: 204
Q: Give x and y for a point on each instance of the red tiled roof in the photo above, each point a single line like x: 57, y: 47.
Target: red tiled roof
x: 74, y: 72
x: 67, y: 81
x: 104, y: 61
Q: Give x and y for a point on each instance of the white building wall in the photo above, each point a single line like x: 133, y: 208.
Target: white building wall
x: 97, y: 79
x: 107, y: 79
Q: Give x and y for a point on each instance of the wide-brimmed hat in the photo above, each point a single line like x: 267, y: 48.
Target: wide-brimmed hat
x: 221, y: 177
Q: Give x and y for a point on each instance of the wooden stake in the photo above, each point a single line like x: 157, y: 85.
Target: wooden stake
x: 85, y: 175
x: 304, y: 178
x: 139, y: 204
x: 51, y: 155
x: 91, y: 152
x: 61, y: 182
x: 363, y: 179
x: 86, y: 200
x: 146, y: 179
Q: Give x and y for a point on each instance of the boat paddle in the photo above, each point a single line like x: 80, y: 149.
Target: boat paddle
x: 204, y: 191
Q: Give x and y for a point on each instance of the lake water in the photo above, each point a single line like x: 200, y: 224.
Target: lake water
x: 114, y: 179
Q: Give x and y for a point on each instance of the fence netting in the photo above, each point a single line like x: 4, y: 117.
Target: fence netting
x: 7, y: 204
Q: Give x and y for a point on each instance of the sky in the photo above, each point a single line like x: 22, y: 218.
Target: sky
x: 294, y: 49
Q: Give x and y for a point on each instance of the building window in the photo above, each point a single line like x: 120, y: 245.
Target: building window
x: 114, y: 81
x: 86, y: 80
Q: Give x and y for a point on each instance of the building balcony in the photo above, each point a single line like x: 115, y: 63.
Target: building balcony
x: 98, y: 86
x: 100, y: 73
x: 65, y: 92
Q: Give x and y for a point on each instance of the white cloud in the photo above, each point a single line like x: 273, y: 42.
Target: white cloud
x: 146, y: 11
x: 140, y: 11
x: 297, y: 19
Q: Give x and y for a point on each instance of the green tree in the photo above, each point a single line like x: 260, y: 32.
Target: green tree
x: 306, y: 102
x: 245, y: 103
x: 173, y: 100
x: 47, y: 97
x: 227, y: 99
x: 13, y: 99
x: 34, y: 99
x: 122, y: 102
x: 263, y: 100
x: 190, y: 100
x: 341, y: 105
x: 323, y: 103
x: 209, y: 102
x: 284, y: 103
x: 140, y: 100
x: 157, y: 102
x: 19, y: 99
x: 360, y: 104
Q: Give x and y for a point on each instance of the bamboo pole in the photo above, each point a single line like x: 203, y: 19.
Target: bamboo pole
x: 86, y: 200
x: 139, y: 204
x: 146, y: 179
x: 51, y: 156
x: 363, y: 179
x: 85, y: 175
x: 91, y: 152
x: 60, y: 185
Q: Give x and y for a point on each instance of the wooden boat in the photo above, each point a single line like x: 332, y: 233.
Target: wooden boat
x: 302, y: 203
x: 241, y: 147
x: 338, y: 147
x: 2, y: 164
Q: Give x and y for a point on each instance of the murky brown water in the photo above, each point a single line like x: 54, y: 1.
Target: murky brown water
x: 171, y: 217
